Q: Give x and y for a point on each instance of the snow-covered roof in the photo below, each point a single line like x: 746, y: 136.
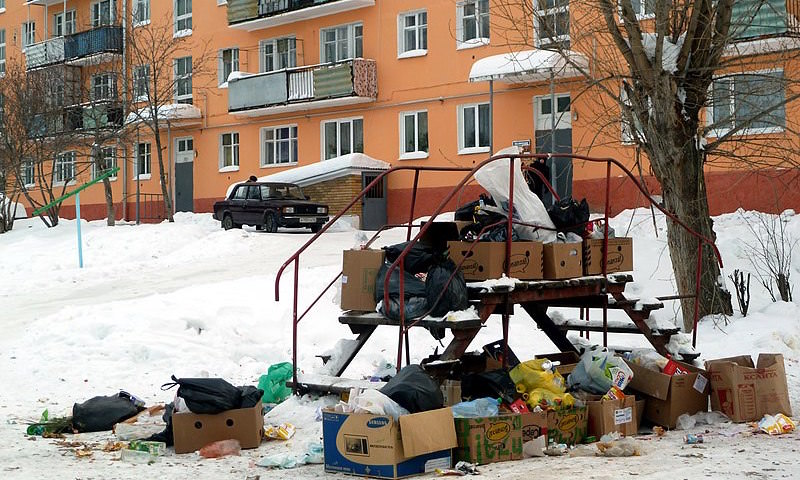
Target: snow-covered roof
x: 174, y: 112
x: 527, y: 66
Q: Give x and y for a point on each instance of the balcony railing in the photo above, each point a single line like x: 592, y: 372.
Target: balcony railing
x: 84, y: 118
x: 764, y: 18
x: 303, y: 86
x: 42, y: 54
x: 278, y: 12
x: 106, y: 39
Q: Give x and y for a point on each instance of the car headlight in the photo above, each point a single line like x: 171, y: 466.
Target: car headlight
x: 322, y: 210
x: 288, y: 209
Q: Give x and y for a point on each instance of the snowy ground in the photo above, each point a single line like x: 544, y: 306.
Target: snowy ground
x: 190, y: 299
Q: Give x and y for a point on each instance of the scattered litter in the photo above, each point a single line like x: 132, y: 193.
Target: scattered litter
x: 687, y: 422
x: 83, y: 452
x: 158, y: 449
x: 221, y: 448
x: 692, y: 439
x: 284, y: 431
x: 534, y: 448
x: 625, y: 447
x: 584, y: 451
x: 313, y: 454
x: 556, y: 449
x: 113, y: 446
x: 138, y: 456
x: 659, y: 431
x: 461, y: 469
x: 777, y: 424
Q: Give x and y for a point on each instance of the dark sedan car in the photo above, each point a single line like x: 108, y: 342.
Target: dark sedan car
x: 269, y: 206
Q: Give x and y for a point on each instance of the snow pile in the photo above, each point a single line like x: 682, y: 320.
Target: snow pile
x: 671, y: 51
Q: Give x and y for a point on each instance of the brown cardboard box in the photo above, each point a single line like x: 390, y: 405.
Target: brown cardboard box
x: 620, y: 255
x: 745, y: 392
x: 193, y: 431
x: 606, y: 416
x: 567, y: 425
x: 641, y: 404
x: 563, y: 260
x: 487, y: 259
x: 489, y: 439
x: 380, y: 447
x: 451, y: 391
x: 359, y: 271
x: 670, y: 396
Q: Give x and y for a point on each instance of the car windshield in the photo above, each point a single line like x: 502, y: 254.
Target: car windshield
x: 292, y: 192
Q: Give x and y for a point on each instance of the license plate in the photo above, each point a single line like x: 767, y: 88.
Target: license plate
x: 308, y: 220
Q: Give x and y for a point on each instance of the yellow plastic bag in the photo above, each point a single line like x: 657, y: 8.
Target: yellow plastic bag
x: 546, y: 398
x: 531, y: 376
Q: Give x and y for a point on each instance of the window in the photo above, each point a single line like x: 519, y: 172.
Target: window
x: 183, y: 80
x: 280, y: 145
x: 473, y: 128
x: 108, y: 157
x: 644, y: 8
x: 143, y: 154
x: 342, y: 42
x: 141, y: 82
x: 64, y: 23
x: 102, y: 13
x: 414, y: 134
x: 552, y: 22
x: 2, y: 4
x: 341, y: 137
x: 228, y: 62
x: 183, y: 15
x: 413, y: 32
x: 65, y: 167
x: 141, y: 12
x: 473, y: 22
x: 229, y: 150
x: 2, y: 51
x: 28, y: 173
x: 278, y: 53
x: 104, y: 86
x: 740, y: 101
x: 28, y: 34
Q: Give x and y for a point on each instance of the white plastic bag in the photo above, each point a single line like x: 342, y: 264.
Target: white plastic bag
x: 374, y: 402
x: 599, y: 370
x: 528, y: 207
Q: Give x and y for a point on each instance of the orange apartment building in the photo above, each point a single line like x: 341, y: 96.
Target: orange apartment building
x: 398, y: 80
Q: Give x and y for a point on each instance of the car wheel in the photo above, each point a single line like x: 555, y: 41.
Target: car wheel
x: 316, y: 228
x: 227, y: 222
x: 270, y: 223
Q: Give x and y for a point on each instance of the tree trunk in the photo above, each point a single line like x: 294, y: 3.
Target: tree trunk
x: 163, y: 177
x: 101, y: 166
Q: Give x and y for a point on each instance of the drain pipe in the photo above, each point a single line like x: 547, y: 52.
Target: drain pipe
x: 124, y: 104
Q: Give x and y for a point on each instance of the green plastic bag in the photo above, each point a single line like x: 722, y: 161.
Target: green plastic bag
x: 274, y: 383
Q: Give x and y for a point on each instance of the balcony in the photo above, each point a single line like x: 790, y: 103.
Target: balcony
x: 93, y: 46
x: 304, y: 88
x: 756, y: 19
x: 43, y: 54
x: 79, y: 119
x: 257, y: 14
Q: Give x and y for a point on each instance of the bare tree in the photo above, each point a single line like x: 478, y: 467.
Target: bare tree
x: 770, y: 253
x: 687, y: 97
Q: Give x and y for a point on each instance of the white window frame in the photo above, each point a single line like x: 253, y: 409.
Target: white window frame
x: 482, y: 38
x: 183, y: 21
x: 106, y: 152
x: 234, y: 150
x: 140, y: 82
x: 28, y: 33
x: 144, y: 159
x: 274, y: 43
x: 140, y: 13
x: 96, y: 13
x: 275, y: 143
x: 68, y: 25
x: 179, y: 77
x: 416, y: 153
x: 420, y: 31
x: 643, y: 4
x: 718, y: 132
x: 339, y: 122
x: 352, y: 40
x: 478, y: 148
x: 2, y: 52
x: 555, y: 12
x: 28, y: 174
x: 65, y: 164
x: 221, y: 63
x: 108, y: 86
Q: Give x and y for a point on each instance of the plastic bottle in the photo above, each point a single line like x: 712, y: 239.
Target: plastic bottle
x: 221, y: 448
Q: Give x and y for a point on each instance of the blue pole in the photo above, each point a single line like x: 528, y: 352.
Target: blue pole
x: 78, y: 222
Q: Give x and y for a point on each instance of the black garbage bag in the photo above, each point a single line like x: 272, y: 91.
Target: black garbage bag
x: 454, y: 297
x: 414, y: 390
x: 165, y: 435
x: 570, y: 216
x: 250, y: 396
x: 415, y: 307
x: 99, y: 414
x: 466, y: 213
x: 498, y: 233
x: 413, y: 286
x: 206, y: 395
x: 418, y: 260
x: 494, y: 383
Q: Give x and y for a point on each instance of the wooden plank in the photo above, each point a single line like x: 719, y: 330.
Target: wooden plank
x: 376, y: 319
x: 343, y: 361
x: 557, y: 336
x: 330, y: 384
x: 613, y: 327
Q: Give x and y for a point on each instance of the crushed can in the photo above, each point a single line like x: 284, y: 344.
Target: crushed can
x: 692, y: 439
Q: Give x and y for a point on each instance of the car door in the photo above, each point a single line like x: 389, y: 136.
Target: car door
x: 253, y: 208
x: 237, y: 202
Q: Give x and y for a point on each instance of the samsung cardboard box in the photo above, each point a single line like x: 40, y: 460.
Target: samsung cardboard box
x: 670, y: 396
x: 485, y: 440
x: 487, y: 260
x: 746, y: 392
x: 564, y: 425
x: 194, y: 431
x: 359, y: 272
x: 379, y: 446
x: 563, y: 260
x: 620, y: 255
x: 617, y: 415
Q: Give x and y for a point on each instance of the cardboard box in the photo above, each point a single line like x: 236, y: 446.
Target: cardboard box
x: 567, y: 425
x: 745, y: 392
x: 641, y: 404
x: 359, y: 272
x: 606, y: 416
x: 563, y: 260
x: 193, y: 431
x: 451, y: 391
x: 489, y: 439
x: 620, y: 255
x: 381, y: 447
x: 670, y: 396
x: 487, y: 259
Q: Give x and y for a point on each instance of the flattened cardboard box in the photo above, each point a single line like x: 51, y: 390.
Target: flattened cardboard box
x: 563, y: 260
x: 359, y: 271
x: 379, y: 446
x: 745, y: 392
x: 606, y: 416
x: 487, y: 259
x: 620, y: 255
x: 670, y: 396
x: 193, y: 431
x: 489, y: 439
x: 566, y: 425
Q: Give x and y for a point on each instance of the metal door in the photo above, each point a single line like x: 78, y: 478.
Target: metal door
x: 560, y: 169
x: 373, y: 203
x: 184, y: 174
